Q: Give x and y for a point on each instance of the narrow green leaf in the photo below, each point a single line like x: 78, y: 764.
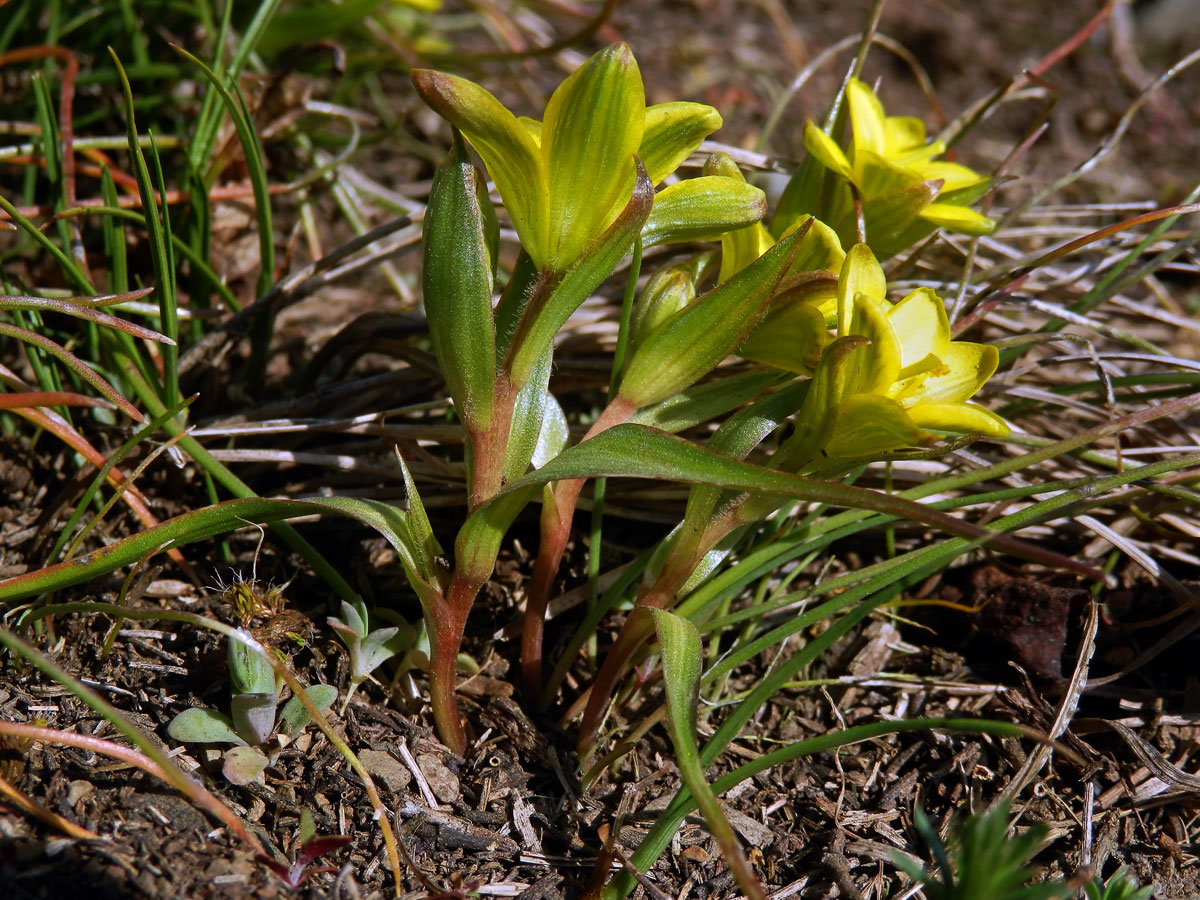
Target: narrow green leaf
x: 458, y: 288
x: 682, y: 654
x: 252, y: 153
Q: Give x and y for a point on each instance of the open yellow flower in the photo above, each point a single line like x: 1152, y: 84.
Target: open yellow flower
x: 565, y: 179
x: 905, y: 191
x: 911, y: 376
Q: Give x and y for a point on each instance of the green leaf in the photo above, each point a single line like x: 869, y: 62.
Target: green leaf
x: 528, y: 414
x: 254, y: 716
x: 707, y: 401
x: 199, y: 725
x: 539, y: 324
x: 693, y: 342
x: 590, y: 133
x: 702, y: 209
x: 458, y: 288
x: 249, y: 671
x: 682, y: 654
x: 295, y: 714
x: 512, y: 156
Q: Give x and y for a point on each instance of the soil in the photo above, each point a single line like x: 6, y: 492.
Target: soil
x: 512, y: 818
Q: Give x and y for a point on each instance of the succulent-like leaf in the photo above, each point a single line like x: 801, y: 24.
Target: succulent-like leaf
x: 458, y: 288
x: 295, y: 714
x: 254, y: 716
x: 244, y: 765
x: 249, y: 671
x: 203, y: 726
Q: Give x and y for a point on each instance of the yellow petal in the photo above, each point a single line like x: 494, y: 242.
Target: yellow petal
x: 825, y: 150
x: 861, y: 274
x: 903, y: 134
x: 866, y: 118
x: 874, y: 368
x: 870, y: 425
x: 959, y: 418
x: 672, y: 131
x: 533, y: 126
x: 921, y: 327
x: 819, y: 251
x: 952, y: 175
x: 741, y: 247
x: 505, y: 145
x: 965, y: 368
x: 592, y: 128
x: 960, y: 219
x: 790, y: 336
x: 875, y: 175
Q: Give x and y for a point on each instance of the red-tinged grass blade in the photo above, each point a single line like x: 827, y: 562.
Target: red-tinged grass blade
x: 78, y: 311
x: 56, y: 425
x: 151, y: 759
x: 40, y: 399
x: 76, y: 365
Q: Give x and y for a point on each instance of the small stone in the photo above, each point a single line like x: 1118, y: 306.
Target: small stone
x: 79, y: 790
x: 442, y: 781
x: 383, y: 766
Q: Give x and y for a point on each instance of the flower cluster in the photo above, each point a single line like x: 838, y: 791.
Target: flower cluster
x: 904, y: 189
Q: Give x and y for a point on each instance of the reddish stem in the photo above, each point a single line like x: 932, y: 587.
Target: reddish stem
x: 557, y: 513
x: 677, y: 568
x: 448, y: 621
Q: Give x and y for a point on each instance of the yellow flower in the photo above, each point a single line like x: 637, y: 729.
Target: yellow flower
x: 911, y: 376
x: 905, y: 191
x: 565, y: 179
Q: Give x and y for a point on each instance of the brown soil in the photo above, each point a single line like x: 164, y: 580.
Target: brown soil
x: 511, y: 817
